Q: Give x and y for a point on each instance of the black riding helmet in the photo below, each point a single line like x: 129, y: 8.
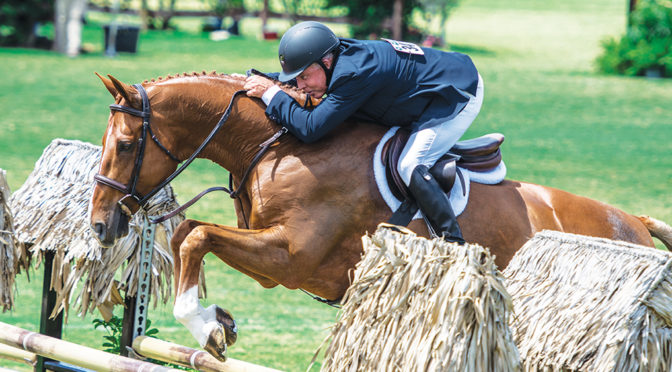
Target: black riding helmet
x: 302, y: 45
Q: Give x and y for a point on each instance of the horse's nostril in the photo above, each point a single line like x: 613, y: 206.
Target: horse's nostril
x: 100, y: 230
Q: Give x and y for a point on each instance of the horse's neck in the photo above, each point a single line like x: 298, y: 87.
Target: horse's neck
x: 192, y: 106
x: 197, y: 105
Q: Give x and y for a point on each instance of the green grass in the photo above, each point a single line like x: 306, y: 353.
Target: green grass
x: 605, y: 137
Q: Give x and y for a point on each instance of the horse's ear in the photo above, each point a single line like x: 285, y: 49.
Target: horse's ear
x: 108, y: 84
x: 129, y: 93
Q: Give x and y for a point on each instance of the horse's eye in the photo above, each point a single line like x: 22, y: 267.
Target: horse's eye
x: 124, y: 146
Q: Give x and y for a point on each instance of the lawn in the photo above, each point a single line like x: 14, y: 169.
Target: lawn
x: 567, y: 126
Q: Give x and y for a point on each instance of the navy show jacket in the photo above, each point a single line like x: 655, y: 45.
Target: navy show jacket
x: 371, y: 81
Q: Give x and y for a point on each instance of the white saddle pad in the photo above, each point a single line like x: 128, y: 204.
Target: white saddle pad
x: 458, y: 197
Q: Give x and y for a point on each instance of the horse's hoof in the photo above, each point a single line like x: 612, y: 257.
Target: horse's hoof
x: 225, y: 319
x: 223, y: 335
x: 216, y: 344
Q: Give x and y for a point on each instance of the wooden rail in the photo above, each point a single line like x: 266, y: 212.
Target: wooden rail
x: 72, y: 353
x: 150, y: 347
x: 17, y: 355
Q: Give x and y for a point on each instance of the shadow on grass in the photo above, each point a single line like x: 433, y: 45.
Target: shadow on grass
x: 472, y: 50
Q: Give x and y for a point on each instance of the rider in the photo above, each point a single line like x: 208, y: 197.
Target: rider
x: 436, y: 94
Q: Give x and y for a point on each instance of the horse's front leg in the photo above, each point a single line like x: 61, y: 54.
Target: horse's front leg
x: 214, y: 327
x: 182, y: 232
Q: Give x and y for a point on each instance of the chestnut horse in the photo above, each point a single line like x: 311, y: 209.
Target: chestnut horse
x: 304, y: 208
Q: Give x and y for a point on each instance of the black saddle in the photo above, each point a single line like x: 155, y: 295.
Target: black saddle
x: 478, y: 154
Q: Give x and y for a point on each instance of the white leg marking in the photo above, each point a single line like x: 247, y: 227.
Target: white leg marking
x: 198, y: 320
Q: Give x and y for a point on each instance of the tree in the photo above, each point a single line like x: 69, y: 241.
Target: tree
x: 646, y: 47
x: 435, y: 14
x: 157, y: 19
x: 68, y: 26
x: 19, y: 20
x: 379, y: 17
x: 223, y: 8
x: 397, y: 19
x: 632, y: 4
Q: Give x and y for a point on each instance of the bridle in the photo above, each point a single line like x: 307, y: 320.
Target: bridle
x: 130, y: 190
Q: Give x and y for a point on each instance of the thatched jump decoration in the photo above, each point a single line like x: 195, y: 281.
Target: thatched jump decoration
x: 590, y: 304
x: 51, y: 212
x: 423, y: 305
x: 12, y: 254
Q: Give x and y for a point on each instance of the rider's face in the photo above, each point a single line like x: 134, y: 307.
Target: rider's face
x: 313, y: 81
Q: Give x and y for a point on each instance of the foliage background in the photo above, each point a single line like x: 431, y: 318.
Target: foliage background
x: 646, y: 47
x: 17, y: 18
x: 567, y: 126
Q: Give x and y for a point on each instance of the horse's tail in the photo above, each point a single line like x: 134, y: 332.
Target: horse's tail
x: 658, y: 229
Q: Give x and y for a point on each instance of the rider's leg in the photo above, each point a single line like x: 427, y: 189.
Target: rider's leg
x: 425, y: 146
x: 434, y: 204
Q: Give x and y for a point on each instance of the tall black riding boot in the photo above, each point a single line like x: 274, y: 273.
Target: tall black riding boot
x: 435, y: 204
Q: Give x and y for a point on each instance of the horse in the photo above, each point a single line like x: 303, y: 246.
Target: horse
x: 302, y: 210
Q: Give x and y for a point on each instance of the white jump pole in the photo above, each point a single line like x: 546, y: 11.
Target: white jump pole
x: 7, y: 370
x: 72, y: 353
x: 150, y: 347
x: 17, y: 355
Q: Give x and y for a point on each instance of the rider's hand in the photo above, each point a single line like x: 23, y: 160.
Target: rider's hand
x: 257, y: 85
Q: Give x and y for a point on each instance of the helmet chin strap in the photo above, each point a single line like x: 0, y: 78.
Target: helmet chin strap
x: 328, y: 71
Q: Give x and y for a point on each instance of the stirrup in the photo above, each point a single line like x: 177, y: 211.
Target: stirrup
x: 445, y: 235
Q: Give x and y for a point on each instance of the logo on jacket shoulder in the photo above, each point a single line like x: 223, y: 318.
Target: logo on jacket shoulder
x: 405, y: 47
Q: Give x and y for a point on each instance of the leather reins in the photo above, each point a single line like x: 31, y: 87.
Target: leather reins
x: 131, y: 191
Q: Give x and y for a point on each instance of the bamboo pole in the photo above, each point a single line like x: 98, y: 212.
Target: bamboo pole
x: 72, y: 353
x: 150, y: 347
x: 17, y: 355
x: 7, y: 370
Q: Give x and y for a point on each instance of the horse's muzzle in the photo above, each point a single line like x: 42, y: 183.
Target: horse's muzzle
x: 107, y: 234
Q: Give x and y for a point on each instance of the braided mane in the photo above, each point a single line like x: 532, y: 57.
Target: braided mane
x: 193, y: 74
x: 216, y: 74
x: 293, y: 91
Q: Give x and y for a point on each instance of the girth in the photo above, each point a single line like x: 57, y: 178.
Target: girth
x: 478, y: 154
